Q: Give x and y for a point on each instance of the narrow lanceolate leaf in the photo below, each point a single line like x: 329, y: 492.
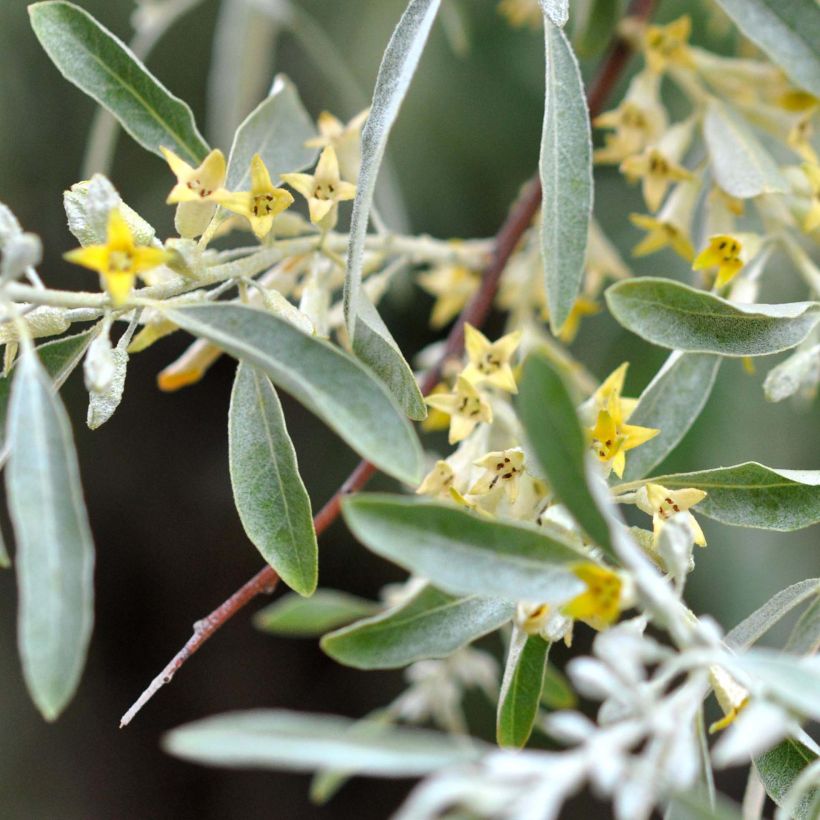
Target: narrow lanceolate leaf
x: 521, y: 689
x: 780, y: 767
x: 787, y: 30
x: 673, y: 315
x: 297, y: 617
x: 273, y: 739
x: 751, y: 495
x: 371, y: 339
x: 671, y: 403
x: 741, y: 165
x: 59, y: 358
x: 270, y: 497
x: 557, y: 692
x: 805, y: 637
x: 328, y: 382
x: 55, y: 552
x: 566, y: 175
x: 557, y: 11
x: 431, y: 624
x: 463, y: 553
x: 778, y: 606
x: 102, y: 66
x: 556, y: 439
x: 277, y: 130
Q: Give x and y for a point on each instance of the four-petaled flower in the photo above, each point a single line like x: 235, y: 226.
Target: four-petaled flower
x: 501, y: 468
x: 600, y: 604
x: 611, y: 436
x: 438, y: 481
x: 452, y: 285
x: 671, y: 226
x: 324, y: 189
x: 195, y: 184
x: 262, y: 204
x: 120, y: 260
x: 665, y: 45
x: 345, y: 139
x: 465, y: 406
x: 490, y: 361
x: 662, y: 504
x: 723, y: 252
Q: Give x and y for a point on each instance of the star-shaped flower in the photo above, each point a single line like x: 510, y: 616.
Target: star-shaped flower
x: 665, y: 45
x: 345, y: 139
x: 262, y: 204
x: 120, y: 260
x: 438, y: 481
x: 194, y: 191
x: 600, y: 604
x: 502, y: 468
x: 465, y: 406
x: 490, y: 361
x: 670, y: 228
x: 662, y: 504
x: 723, y: 252
x: 324, y: 189
x: 452, y: 285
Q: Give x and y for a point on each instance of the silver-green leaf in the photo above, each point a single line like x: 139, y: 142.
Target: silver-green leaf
x: 268, y: 491
x: 805, y: 636
x: 671, y: 403
x: 463, y: 553
x: 556, y: 439
x: 101, y: 65
x: 741, y: 165
x: 327, y: 381
x: 55, y: 551
x: 556, y: 11
x: 780, y: 767
x: 297, y: 617
x: 371, y: 339
x: 752, y: 495
x: 787, y: 30
x: 521, y: 689
x: 274, y: 739
x: 565, y: 168
x: 679, y: 317
x: 432, y: 624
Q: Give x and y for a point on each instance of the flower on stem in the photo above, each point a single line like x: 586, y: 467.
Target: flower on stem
x: 502, y: 468
x: 658, y: 166
x: 638, y: 121
x: 581, y: 307
x: 600, y: 604
x: 724, y: 253
x: 345, y: 138
x: 438, y: 481
x: 671, y: 226
x: 324, y: 189
x: 465, y: 406
x: 453, y: 286
x: 120, y: 260
x: 194, y: 191
x: 261, y: 204
x: 668, y: 45
x: 662, y: 504
x: 490, y: 361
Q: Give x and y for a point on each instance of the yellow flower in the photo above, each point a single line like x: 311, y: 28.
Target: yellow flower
x: 261, y: 204
x: 722, y: 252
x: 731, y: 696
x: 490, y: 361
x: 119, y: 261
x: 438, y: 481
x: 195, y: 184
x: 600, y: 604
x: 610, y: 392
x: 812, y: 220
x: 345, y: 139
x: 662, y: 504
x: 580, y: 308
x: 189, y: 368
x: 532, y: 618
x: 671, y: 226
x: 638, y: 121
x: 436, y: 420
x: 519, y: 13
x: 323, y: 189
x: 465, y: 406
x: 656, y: 173
x: 501, y: 468
x: 665, y: 45
x: 612, y: 438
x: 452, y: 285
x: 462, y: 501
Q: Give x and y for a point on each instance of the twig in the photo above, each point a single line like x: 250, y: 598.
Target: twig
x: 476, y: 312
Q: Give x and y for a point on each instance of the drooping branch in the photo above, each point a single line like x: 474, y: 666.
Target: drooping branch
x: 476, y: 312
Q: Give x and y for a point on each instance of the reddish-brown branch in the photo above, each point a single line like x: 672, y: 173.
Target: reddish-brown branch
x: 476, y: 312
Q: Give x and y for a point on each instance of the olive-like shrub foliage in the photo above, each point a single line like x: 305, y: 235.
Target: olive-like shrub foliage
x: 517, y: 526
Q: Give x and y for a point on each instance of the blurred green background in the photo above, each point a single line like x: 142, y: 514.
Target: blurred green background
x: 170, y: 546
